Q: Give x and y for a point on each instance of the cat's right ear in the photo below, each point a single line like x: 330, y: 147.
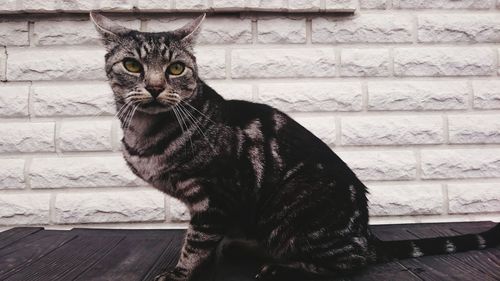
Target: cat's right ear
x: 110, y: 32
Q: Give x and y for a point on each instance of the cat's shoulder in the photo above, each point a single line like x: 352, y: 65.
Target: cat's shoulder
x: 240, y: 111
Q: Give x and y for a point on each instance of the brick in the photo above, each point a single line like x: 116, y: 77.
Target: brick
x: 392, y: 130
x: 178, y: 211
x: 14, y: 99
x: 474, y: 128
x: 78, y: 6
x: 233, y: 91
x: 12, y: 173
x: 486, y: 94
x: 381, y: 165
x: 304, y: 4
x: 473, y: 198
x: 442, y: 4
x: 341, y: 4
x: 461, y: 163
x: 71, y: 32
x: 417, y: 95
x: 154, y: 5
x: 220, y: 4
x: 85, y: 136
x: 14, y: 33
x: 444, y: 61
x: 211, y: 63
x: 217, y: 30
x: 399, y: 200
x: 30, y: 208
x: 268, y: 4
x: 116, y: 5
x: 364, y: 62
x: 55, y: 64
x: 27, y: 137
x: 289, y: 31
x: 458, y: 28
x: 374, y: 4
x: 190, y: 4
x: 375, y: 28
x: 318, y: 96
x: 75, y: 99
x: 322, y: 127
x: 9, y: 6
x: 274, y: 63
x: 116, y: 206
x: 40, y: 6
x: 81, y: 172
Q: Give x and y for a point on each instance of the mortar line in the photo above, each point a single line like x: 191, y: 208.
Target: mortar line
x: 446, y: 202
x: 26, y: 172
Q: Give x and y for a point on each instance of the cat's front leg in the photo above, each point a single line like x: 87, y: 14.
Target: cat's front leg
x: 199, y: 249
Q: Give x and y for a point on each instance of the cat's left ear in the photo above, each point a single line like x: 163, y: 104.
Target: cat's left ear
x: 111, y: 33
x: 190, y: 31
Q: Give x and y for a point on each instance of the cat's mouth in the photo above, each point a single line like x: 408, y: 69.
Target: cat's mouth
x: 156, y: 106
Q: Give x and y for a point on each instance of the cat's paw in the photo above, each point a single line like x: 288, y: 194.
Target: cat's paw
x: 173, y: 275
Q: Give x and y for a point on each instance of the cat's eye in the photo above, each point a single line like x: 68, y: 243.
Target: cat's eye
x: 132, y: 65
x: 176, y: 68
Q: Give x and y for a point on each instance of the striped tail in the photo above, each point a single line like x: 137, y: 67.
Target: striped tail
x: 390, y: 250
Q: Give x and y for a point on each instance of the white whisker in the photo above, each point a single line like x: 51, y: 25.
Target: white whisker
x: 197, y: 127
x: 181, y: 114
x: 201, y: 113
x: 132, y: 116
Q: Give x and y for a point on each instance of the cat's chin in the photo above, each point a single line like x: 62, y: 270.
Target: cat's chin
x: 154, y: 108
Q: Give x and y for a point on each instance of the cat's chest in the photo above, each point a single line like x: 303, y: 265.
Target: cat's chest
x: 149, y: 168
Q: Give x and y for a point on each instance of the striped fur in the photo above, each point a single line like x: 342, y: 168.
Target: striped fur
x: 245, y: 171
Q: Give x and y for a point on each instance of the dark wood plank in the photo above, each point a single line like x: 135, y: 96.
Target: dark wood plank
x: 14, y: 234
x: 439, y: 268
x: 24, y: 252
x: 129, y: 260
x: 391, y: 232
x: 69, y: 260
x: 453, y: 266
x: 169, y: 257
x: 126, y: 232
x: 386, y: 271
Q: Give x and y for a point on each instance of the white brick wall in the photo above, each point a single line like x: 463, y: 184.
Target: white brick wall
x: 407, y: 92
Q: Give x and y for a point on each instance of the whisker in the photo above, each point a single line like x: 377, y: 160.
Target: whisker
x: 132, y: 116
x: 202, y: 114
x: 197, y: 127
x: 178, y: 121
x: 126, y: 118
x: 182, y: 115
x: 124, y: 112
x: 122, y: 108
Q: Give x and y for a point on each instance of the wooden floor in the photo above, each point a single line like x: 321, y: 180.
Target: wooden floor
x: 129, y: 255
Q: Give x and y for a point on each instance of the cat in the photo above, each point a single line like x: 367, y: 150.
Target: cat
x: 244, y: 170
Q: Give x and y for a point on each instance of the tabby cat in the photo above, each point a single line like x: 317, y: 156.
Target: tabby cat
x: 244, y: 170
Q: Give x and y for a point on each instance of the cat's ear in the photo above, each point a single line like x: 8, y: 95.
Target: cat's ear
x: 190, y: 31
x: 110, y: 32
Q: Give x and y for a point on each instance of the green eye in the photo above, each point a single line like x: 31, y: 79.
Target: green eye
x: 132, y: 65
x: 176, y: 68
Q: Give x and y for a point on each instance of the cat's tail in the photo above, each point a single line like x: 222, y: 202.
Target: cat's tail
x: 391, y: 250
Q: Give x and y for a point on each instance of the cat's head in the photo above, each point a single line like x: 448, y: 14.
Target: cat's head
x: 154, y: 70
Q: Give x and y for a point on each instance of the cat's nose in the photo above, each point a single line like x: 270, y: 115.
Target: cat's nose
x: 155, y: 91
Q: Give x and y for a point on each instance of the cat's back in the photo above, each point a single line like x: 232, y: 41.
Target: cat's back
x: 240, y: 113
